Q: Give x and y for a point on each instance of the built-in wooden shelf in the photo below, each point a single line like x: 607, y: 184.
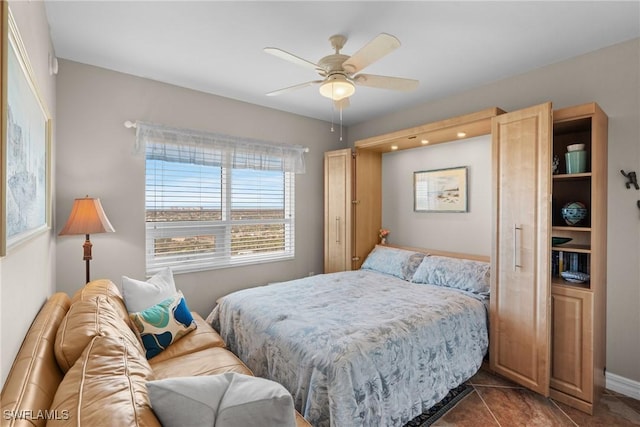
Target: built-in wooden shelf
x: 572, y: 176
x: 455, y: 128
x: 569, y: 228
x: 568, y: 247
x: 560, y: 282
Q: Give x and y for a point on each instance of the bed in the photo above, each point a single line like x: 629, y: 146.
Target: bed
x: 372, y: 347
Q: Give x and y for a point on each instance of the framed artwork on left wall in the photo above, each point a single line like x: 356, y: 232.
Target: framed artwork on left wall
x: 25, y: 209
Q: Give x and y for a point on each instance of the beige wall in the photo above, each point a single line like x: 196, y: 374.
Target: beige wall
x: 458, y: 232
x: 26, y: 273
x: 96, y: 157
x: 610, y: 77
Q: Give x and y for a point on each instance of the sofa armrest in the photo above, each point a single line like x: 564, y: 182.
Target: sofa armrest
x: 300, y: 421
x: 35, y: 375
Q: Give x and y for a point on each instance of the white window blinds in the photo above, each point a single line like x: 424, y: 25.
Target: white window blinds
x: 216, y: 201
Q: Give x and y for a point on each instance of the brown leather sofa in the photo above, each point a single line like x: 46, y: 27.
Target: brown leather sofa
x: 81, y: 364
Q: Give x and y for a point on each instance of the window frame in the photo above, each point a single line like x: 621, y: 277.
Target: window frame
x: 221, y: 229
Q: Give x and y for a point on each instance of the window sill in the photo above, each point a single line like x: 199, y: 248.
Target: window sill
x: 241, y: 262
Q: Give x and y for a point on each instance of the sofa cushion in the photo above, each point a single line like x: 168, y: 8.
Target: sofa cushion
x: 163, y: 324
x: 225, y: 400
x: 85, y: 320
x: 35, y: 375
x: 300, y: 421
x: 210, y: 361
x: 140, y: 295
x: 106, y: 386
x: 103, y: 288
x: 204, y: 336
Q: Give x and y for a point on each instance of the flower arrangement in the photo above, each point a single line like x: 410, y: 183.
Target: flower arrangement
x: 383, y: 233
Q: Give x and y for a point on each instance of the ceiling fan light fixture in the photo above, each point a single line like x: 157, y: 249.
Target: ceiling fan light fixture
x: 337, y: 87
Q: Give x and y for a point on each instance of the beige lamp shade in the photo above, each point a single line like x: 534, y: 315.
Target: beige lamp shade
x: 87, y: 217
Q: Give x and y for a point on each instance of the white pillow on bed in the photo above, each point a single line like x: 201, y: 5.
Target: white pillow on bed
x: 463, y: 274
x: 223, y: 400
x: 397, y: 262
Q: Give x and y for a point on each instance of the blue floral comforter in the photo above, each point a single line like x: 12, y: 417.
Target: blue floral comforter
x: 357, y: 348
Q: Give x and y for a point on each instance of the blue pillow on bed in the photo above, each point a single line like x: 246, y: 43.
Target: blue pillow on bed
x: 400, y: 263
x: 463, y: 274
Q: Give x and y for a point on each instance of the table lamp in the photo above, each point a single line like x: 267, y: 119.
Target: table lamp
x: 87, y: 217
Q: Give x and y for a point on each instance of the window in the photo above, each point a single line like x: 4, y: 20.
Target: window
x: 208, y: 207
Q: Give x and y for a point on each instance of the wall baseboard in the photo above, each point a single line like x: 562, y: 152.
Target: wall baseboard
x: 623, y: 385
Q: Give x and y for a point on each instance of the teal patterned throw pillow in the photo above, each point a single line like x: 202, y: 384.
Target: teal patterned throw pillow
x: 163, y: 324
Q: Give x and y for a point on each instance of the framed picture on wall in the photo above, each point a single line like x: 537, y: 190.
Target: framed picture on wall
x: 440, y: 190
x: 26, y: 139
x: 4, y: 10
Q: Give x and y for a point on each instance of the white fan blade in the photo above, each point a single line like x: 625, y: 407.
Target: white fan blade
x: 291, y: 58
x: 343, y: 103
x: 386, y: 82
x: 292, y: 88
x: 380, y: 46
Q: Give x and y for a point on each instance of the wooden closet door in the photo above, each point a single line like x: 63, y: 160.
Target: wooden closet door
x: 337, y: 210
x: 520, y: 289
x: 367, y: 204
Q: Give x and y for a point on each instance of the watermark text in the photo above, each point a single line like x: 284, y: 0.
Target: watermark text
x: 29, y: 414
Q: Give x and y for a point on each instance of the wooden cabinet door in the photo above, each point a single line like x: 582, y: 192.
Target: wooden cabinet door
x: 520, y: 288
x: 337, y: 210
x: 367, y: 204
x: 572, y: 342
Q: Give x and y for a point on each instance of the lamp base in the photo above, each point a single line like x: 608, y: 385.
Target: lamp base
x: 87, y: 255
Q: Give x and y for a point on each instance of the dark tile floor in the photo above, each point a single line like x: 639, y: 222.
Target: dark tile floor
x: 499, y: 402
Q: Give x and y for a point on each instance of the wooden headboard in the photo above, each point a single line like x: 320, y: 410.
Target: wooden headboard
x: 484, y: 258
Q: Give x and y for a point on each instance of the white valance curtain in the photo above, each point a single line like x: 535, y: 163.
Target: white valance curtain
x: 213, y: 149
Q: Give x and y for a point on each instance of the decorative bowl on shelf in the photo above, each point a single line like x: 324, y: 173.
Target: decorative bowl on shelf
x: 574, y: 212
x: 575, y: 147
x: 556, y: 164
x: 575, y: 276
x: 555, y: 241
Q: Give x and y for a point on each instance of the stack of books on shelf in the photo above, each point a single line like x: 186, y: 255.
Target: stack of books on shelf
x: 569, y: 261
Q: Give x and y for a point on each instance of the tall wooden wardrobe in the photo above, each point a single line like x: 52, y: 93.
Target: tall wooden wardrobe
x: 352, y: 207
x: 548, y: 333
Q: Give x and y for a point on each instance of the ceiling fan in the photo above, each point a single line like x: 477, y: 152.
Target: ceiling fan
x: 341, y: 73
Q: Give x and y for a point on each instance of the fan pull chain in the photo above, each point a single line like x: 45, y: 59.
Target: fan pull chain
x: 341, y: 122
x: 333, y: 110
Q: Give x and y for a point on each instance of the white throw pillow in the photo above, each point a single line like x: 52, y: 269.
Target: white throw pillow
x: 224, y: 400
x: 139, y: 295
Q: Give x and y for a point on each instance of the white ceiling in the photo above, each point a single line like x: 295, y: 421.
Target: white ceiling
x: 216, y: 47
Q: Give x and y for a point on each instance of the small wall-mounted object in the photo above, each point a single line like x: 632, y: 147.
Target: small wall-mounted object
x: 53, y: 64
x: 633, y: 179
